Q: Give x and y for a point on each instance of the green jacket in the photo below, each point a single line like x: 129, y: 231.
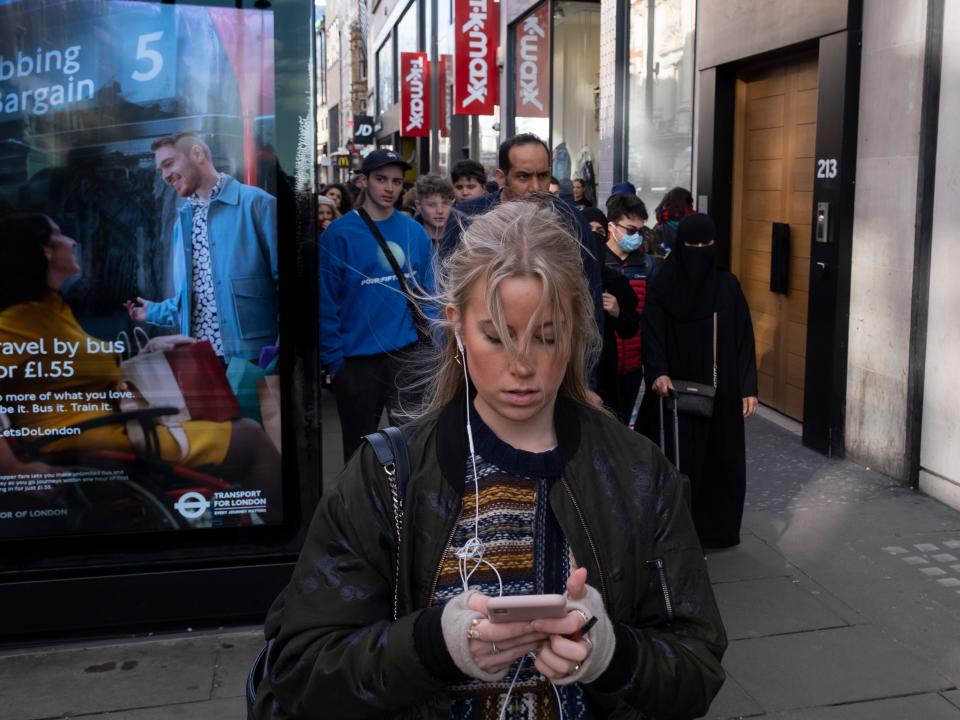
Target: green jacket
x: 623, y: 510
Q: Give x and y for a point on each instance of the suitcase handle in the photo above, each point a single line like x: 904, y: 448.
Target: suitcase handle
x: 671, y: 393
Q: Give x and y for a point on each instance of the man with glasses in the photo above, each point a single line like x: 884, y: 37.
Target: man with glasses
x: 625, y: 253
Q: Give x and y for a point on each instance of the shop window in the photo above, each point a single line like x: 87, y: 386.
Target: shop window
x: 660, y: 97
x: 385, y: 75
x: 575, y: 136
x: 407, y: 31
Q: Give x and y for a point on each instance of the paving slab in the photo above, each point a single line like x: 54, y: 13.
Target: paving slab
x: 772, y: 606
x: 235, y: 656
x: 750, y: 560
x: 828, y: 667
x: 224, y: 709
x: 732, y: 702
x: 916, y: 707
x: 79, y: 681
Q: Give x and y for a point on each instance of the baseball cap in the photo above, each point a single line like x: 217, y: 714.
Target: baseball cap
x: 623, y: 188
x: 381, y: 158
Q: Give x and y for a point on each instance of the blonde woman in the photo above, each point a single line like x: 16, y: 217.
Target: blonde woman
x: 326, y: 213
x: 538, y: 492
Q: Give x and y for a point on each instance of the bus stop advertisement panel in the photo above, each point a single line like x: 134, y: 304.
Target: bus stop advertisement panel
x: 141, y: 361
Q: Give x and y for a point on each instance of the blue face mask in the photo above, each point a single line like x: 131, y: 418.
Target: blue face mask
x: 629, y: 243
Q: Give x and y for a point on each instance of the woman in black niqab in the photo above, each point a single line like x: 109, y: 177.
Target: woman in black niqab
x: 678, y: 342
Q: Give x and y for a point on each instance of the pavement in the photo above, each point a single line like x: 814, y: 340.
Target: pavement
x: 841, y: 603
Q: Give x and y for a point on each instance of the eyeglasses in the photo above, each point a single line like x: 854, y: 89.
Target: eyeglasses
x: 628, y: 229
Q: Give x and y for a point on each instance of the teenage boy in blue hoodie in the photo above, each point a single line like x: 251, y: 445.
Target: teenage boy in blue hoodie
x: 366, y: 324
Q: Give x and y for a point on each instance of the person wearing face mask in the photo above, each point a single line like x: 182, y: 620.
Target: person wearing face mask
x: 692, y: 308
x: 621, y: 321
x: 625, y: 254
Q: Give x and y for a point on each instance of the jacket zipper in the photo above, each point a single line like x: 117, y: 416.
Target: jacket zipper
x: 593, y: 547
x: 664, y: 587
x: 443, y: 553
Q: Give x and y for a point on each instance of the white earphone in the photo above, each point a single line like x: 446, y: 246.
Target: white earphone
x: 472, y: 550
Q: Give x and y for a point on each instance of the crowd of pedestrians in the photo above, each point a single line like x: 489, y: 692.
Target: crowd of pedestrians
x: 531, y: 346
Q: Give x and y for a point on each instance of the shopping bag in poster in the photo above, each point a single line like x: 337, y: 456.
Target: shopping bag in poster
x: 187, y: 376
x: 268, y: 390
x: 149, y: 376
x: 202, y: 380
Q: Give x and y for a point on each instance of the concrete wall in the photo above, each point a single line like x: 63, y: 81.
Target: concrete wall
x: 940, y: 451
x: 733, y: 29
x: 884, y: 232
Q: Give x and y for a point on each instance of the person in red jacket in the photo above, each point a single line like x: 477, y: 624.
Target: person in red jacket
x: 626, y: 231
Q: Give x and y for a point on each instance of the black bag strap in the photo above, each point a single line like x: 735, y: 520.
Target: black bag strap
x: 415, y: 313
x: 390, y: 447
x: 714, y: 350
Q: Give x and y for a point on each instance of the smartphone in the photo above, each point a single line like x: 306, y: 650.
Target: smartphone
x: 513, y: 608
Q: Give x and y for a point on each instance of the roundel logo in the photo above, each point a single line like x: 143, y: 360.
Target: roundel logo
x: 192, y: 505
x: 397, y: 253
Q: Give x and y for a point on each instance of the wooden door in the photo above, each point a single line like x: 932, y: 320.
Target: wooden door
x: 775, y: 134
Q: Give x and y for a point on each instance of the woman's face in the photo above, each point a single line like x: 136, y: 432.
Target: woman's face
x: 578, y: 190
x: 61, y: 256
x: 511, y: 393
x: 324, y: 214
x: 335, y: 195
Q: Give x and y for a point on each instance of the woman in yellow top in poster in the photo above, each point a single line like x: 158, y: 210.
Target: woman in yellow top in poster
x: 44, y: 352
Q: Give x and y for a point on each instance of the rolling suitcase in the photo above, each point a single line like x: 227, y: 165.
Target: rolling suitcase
x: 676, y: 430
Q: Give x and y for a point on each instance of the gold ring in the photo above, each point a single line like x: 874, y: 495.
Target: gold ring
x: 472, y: 632
x: 493, y: 649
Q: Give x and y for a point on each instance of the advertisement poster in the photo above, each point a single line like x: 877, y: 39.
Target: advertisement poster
x: 532, y: 53
x: 414, y: 94
x: 139, y: 302
x: 476, y: 76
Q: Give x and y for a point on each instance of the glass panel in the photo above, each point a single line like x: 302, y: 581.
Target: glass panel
x: 576, y: 87
x: 385, y: 75
x: 407, y: 31
x: 489, y: 139
x: 660, y: 97
x: 138, y: 147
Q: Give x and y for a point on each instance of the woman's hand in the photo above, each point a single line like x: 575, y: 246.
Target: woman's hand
x: 495, y: 646
x: 749, y: 406
x: 662, y: 386
x: 561, y: 655
x: 610, y: 305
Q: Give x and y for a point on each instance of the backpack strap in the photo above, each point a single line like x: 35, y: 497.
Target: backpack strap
x: 390, y: 447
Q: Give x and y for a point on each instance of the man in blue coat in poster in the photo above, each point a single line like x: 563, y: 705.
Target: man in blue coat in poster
x: 224, y: 255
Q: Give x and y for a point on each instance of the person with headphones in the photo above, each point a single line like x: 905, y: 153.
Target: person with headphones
x: 521, y: 493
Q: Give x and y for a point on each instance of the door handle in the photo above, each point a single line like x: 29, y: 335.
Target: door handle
x: 821, y: 270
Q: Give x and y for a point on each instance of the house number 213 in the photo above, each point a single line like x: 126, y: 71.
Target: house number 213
x: 827, y: 168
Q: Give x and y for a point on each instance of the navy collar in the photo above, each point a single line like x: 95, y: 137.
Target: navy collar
x: 452, y: 438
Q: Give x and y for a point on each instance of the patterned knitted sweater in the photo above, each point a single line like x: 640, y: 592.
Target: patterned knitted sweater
x: 522, y: 540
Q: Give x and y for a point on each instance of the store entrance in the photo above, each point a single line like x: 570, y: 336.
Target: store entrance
x: 556, y: 88
x: 774, y: 148
x: 575, y: 131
